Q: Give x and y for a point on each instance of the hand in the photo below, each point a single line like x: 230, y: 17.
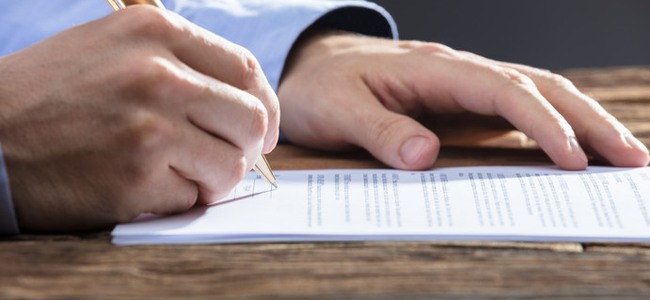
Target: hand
x: 138, y: 112
x: 343, y: 90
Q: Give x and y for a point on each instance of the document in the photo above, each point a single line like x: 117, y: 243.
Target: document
x: 465, y: 203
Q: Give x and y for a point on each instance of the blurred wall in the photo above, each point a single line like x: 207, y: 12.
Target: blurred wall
x: 552, y: 34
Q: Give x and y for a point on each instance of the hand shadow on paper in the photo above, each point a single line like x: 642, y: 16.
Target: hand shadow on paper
x: 169, y: 222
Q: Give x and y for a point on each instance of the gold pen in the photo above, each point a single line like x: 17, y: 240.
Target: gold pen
x: 261, y: 165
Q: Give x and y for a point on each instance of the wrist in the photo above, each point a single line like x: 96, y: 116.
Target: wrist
x: 317, y: 44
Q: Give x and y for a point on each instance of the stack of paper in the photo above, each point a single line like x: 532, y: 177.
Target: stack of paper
x: 477, y: 203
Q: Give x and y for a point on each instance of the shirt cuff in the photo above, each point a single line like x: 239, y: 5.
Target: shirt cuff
x: 358, y: 17
x: 8, y: 221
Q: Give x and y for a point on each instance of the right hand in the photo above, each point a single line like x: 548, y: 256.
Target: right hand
x: 139, y: 112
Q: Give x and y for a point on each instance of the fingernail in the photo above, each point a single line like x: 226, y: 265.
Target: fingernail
x: 413, y: 149
x: 634, y: 142
x: 577, y: 150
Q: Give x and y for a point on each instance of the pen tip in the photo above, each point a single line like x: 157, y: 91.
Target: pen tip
x: 275, y: 185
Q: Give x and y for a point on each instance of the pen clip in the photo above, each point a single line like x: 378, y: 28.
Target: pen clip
x: 115, y: 4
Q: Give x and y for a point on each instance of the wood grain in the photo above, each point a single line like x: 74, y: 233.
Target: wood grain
x: 89, y: 267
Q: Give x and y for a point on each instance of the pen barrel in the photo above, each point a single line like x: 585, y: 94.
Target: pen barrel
x: 156, y: 3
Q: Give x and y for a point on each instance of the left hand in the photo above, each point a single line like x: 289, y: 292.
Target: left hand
x: 343, y: 90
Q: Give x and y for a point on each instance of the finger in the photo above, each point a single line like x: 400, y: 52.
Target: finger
x: 230, y: 63
x: 397, y: 140
x: 214, y: 165
x: 168, y: 194
x: 148, y: 183
x: 594, y: 126
x: 224, y: 111
x: 201, y: 50
x: 499, y: 91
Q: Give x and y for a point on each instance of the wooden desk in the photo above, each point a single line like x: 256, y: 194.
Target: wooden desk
x: 88, y: 266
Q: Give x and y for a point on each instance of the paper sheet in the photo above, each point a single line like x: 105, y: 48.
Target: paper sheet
x: 477, y: 203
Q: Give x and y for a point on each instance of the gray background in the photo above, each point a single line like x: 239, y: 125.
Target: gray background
x: 552, y: 34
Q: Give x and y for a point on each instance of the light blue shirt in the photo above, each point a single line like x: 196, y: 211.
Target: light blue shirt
x: 268, y: 28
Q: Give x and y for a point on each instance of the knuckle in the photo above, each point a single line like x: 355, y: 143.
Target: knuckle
x: 221, y: 183
x: 272, y: 114
x: 238, y: 169
x: 153, y: 69
x: 516, y: 79
x: 146, y: 132
x: 148, y: 21
x: 259, y: 121
x: 559, y: 81
x: 250, y: 70
x: 428, y: 47
x: 152, y: 79
x: 411, y: 44
x: 382, y: 130
x: 507, y: 96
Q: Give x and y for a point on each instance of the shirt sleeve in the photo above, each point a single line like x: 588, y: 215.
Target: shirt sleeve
x: 8, y: 223
x: 267, y: 28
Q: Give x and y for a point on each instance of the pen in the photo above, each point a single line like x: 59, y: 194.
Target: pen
x: 262, y: 166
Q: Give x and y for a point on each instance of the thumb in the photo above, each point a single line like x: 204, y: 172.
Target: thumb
x: 397, y: 140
